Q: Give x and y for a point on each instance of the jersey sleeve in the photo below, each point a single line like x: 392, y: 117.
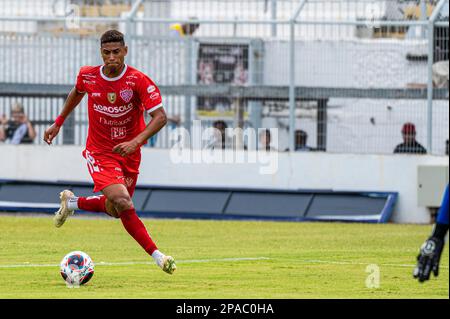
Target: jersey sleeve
x: 149, y: 94
x: 79, y: 85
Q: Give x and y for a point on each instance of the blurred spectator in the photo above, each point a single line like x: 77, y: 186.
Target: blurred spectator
x: 265, y: 138
x: 219, y: 139
x: 409, y: 145
x: 172, y: 123
x: 301, y: 139
x: 17, y: 130
x: 184, y: 29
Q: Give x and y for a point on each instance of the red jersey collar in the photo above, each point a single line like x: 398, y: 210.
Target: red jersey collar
x: 117, y: 77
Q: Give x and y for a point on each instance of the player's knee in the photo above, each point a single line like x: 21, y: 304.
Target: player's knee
x: 121, y: 204
x: 111, y: 210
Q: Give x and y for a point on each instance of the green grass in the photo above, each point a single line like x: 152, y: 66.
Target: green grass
x: 305, y: 260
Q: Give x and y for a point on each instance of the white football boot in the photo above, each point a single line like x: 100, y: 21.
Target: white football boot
x: 167, y: 264
x: 63, y: 213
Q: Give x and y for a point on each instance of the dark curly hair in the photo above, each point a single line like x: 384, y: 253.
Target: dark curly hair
x: 112, y: 36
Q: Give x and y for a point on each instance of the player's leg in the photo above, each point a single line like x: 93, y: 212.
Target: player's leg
x: 94, y: 204
x: 70, y: 203
x: 101, y: 203
x: 119, y: 197
x: 103, y: 170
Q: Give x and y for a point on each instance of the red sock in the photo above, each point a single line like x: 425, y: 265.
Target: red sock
x: 92, y: 203
x: 136, y: 229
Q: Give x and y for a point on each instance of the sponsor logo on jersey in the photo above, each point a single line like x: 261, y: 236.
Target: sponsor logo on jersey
x: 113, y: 111
x: 96, y: 94
x: 151, y: 89
x: 88, y: 82
x: 154, y: 96
x: 104, y: 121
x: 130, y: 83
x: 112, y: 97
x: 132, y: 77
x: 118, y: 133
x: 126, y: 95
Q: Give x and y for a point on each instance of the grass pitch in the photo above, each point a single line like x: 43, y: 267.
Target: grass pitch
x: 217, y: 259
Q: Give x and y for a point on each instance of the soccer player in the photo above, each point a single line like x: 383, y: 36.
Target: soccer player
x: 118, y: 95
x: 430, y: 252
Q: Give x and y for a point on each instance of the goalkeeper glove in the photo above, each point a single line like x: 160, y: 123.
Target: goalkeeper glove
x: 429, y: 258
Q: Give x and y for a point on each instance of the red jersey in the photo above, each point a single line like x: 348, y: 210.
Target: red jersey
x: 116, y: 105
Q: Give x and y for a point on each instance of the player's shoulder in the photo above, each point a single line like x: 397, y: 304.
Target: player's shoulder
x: 90, y: 69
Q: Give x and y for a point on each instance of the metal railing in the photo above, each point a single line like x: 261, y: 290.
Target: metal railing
x: 349, y: 78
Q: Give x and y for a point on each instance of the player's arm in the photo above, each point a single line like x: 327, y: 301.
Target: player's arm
x: 3, y: 122
x: 2, y: 134
x: 431, y: 251
x: 71, y: 103
x: 159, y: 120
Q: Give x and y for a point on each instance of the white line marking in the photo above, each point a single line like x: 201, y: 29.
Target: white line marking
x: 28, y: 205
x: 102, y: 263
x: 193, y: 261
x: 349, y: 263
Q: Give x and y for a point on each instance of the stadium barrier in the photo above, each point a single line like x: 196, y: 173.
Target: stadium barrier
x: 294, y: 171
x: 215, y: 202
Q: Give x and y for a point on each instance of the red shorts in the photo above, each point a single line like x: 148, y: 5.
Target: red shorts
x: 109, y: 169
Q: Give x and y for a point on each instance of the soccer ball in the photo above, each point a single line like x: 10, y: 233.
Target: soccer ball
x: 77, y: 268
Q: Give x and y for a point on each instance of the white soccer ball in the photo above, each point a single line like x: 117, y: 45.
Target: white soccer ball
x: 77, y: 268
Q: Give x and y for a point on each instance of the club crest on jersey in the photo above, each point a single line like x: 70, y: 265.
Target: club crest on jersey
x: 129, y: 181
x: 112, y: 97
x: 126, y: 95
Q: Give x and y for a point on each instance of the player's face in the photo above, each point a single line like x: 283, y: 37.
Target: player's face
x: 113, y: 55
x: 409, y: 137
x: 17, y: 117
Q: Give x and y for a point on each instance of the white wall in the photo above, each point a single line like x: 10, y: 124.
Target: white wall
x: 295, y: 170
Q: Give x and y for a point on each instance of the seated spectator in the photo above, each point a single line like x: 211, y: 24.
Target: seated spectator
x: 17, y: 130
x: 446, y: 147
x: 219, y: 139
x: 301, y: 139
x: 172, y: 123
x: 409, y: 145
x: 265, y: 139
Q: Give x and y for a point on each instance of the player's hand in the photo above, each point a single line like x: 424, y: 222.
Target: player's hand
x: 24, y: 119
x: 51, y: 133
x: 3, y: 120
x: 126, y: 148
x: 428, y: 259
